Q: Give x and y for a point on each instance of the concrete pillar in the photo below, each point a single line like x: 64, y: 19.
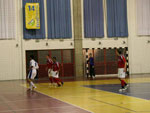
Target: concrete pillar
x: 78, y: 38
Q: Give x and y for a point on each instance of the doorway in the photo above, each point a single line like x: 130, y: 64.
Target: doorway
x: 65, y: 57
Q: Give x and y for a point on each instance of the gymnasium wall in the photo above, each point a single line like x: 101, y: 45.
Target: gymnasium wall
x: 138, y: 46
x: 10, y: 60
x: 13, y: 60
x: 45, y: 44
x: 10, y: 49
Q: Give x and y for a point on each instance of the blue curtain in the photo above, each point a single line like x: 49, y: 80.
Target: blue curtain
x: 93, y: 19
x: 117, y: 25
x: 59, y: 19
x: 35, y: 33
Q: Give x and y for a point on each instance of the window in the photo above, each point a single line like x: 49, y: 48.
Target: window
x: 143, y: 17
x: 93, y: 19
x: 7, y: 19
x: 59, y: 19
x: 117, y: 25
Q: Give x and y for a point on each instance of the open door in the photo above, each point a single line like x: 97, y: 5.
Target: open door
x: 64, y: 57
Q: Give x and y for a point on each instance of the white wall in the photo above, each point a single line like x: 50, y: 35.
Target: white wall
x: 139, y: 49
x: 10, y: 60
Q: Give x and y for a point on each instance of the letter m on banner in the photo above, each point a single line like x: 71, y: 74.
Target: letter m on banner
x: 32, y: 16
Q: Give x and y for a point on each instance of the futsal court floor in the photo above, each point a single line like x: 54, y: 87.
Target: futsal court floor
x: 84, y: 96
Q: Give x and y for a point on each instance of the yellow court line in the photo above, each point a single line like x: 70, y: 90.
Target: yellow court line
x: 94, y: 100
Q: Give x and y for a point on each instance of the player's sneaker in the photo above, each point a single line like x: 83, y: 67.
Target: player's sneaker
x: 93, y: 77
x: 58, y: 85
x: 34, y: 87
x: 122, y: 89
x: 127, y: 86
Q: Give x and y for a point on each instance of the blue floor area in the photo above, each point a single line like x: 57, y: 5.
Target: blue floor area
x: 139, y: 90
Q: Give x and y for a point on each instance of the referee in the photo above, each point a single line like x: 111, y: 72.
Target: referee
x: 91, y: 63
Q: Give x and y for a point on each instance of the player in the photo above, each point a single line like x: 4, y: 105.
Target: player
x: 91, y: 63
x: 49, y: 68
x: 55, y: 72
x: 122, y: 70
x: 32, y: 72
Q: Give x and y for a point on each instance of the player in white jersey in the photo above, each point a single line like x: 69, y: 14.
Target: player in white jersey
x: 32, y: 72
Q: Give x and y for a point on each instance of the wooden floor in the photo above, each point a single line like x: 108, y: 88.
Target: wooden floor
x: 96, y: 96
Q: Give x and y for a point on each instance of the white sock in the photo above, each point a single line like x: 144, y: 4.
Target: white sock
x: 32, y: 84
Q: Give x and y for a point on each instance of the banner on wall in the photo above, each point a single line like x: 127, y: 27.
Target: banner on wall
x: 32, y: 16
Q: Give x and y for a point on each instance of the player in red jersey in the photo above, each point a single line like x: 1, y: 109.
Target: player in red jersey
x: 49, y: 68
x: 55, y: 72
x: 122, y: 70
